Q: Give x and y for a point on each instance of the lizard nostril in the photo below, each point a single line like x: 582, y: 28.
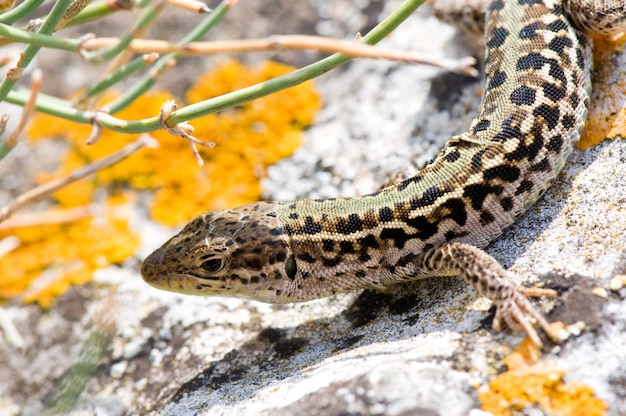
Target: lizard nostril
x: 148, y: 271
x: 150, y: 266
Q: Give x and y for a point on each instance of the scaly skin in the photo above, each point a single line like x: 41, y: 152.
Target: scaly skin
x: 434, y: 223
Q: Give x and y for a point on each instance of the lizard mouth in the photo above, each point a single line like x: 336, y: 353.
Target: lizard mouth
x: 154, y: 272
x: 157, y: 274
x: 152, y: 261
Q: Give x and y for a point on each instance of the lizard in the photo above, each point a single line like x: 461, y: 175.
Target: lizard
x: 436, y: 222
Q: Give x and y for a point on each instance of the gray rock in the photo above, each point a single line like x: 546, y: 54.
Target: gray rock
x: 421, y: 349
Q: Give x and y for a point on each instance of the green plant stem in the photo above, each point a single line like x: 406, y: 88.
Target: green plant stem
x: 142, y: 3
x: 299, y: 76
x: 120, y: 74
x: 95, y: 10
x: 28, y: 55
x: 163, y: 63
x: 30, y: 51
x: 20, y: 11
x: 61, y: 108
x: 146, y: 18
x: 38, y: 39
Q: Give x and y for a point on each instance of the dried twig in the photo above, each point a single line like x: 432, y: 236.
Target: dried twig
x: 183, y: 130
x: 55, y: 216
x: 462, y: 65
x: 191, y: 5
x: 4, y: 120
x: 29, y: 109
x: 46, y: 189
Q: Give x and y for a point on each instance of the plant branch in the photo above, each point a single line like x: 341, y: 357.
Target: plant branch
x: 29, y: 197
x: 29, y: 108
x: 354, y: 50
x: 20, y: 11
x: 61, y: 108
x: 47, y: 27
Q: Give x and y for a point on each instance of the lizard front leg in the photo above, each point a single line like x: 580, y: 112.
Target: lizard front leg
x: 491, y: 280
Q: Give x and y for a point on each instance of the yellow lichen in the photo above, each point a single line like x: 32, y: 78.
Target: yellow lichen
x: 51, y: 258
x: 248, y: 139
x: 532, y: 383
x: 142, y: 170
x: 607, y: 109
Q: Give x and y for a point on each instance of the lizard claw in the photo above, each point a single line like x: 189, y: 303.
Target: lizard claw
x: 519, y: 314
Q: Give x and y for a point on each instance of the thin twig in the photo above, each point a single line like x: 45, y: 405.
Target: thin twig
x: 463, y: 65
x: 72, y: 11
x: 4, y: 120
x: 61, y: 108
x: 30, y: 196
x: 183, y: 130
x: 56, y: 216
x: 190, y: 5
x: 29, y: 109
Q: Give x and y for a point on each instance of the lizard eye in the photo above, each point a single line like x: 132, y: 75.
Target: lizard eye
x: 213, y: 265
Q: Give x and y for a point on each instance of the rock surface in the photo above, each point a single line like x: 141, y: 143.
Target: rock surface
x: 425, y: 348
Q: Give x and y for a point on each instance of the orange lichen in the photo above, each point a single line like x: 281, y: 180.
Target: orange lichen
x: 51, y: 258
x: 607, y: 109
x: 248, y: 139
x: 140, y: 171
x: 532, y: 383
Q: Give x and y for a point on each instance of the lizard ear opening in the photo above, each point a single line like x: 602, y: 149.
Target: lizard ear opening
x: 291, y: 268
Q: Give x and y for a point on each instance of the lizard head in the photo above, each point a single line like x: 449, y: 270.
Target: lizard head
x: 241, y: 252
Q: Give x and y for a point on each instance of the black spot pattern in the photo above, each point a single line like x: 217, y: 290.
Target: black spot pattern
x: 328, y: 245
x: 568, y: 122
x: 486, y: 218
x: 506, y: 204
x: 276, y: 231
x: 306, y: 257
x: 424, y: 228
x: 476, y: 162
x: 498, y: 36
x: 553, y: 93
x: 497, y: 80
x: 452, y: 156
x: 523, y: 95
x: 346, y: 247
x: 428, y: 197
x: 506, y: 173
x: 454, y: 209
x: 332, y: 262
x: 557, y: 26
x: 551, y: 114
x: 351, y: 225
x: 385, y: 214
x: 529, y: 32
x: 479, y: 178
x: 482, y: 125
x: 398, y: 235
x: 368, y: 241
x: 477, y: 193
x: 524, y: 186
x: 311, y: 227
x: 555, y: 144
x: 509, y: 130
x: 542, y: 166
x: 496, y: 5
